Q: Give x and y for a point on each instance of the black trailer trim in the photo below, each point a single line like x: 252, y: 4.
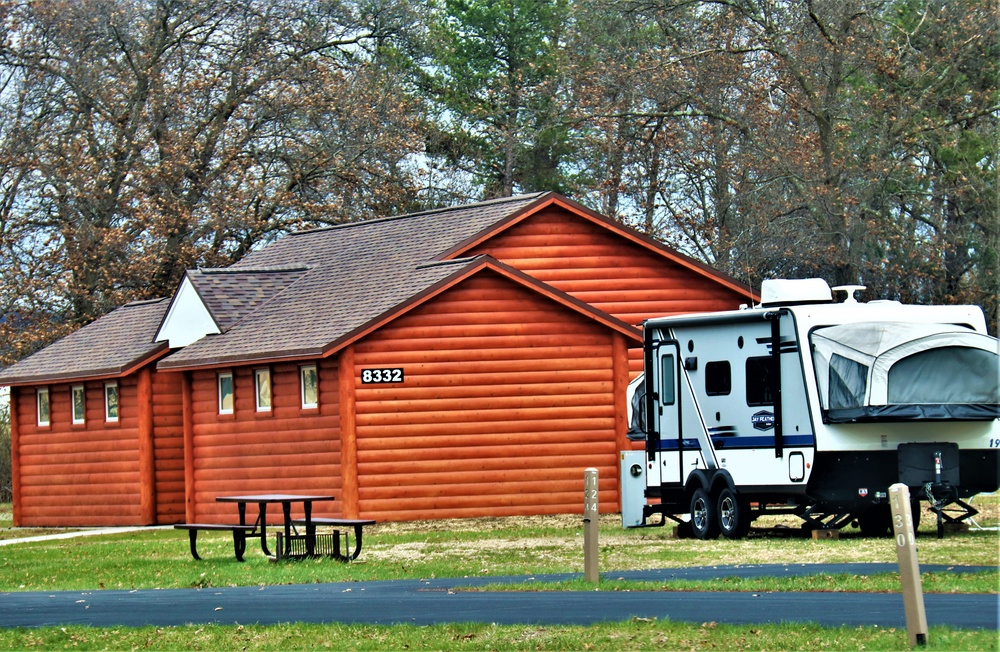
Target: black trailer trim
x: 914, y: 412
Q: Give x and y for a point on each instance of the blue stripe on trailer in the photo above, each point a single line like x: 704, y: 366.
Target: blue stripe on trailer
x: 738, y: 442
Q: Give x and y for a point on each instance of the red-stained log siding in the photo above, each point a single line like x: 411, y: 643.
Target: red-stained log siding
x: 168, y: 443
x: 507, y: 398
x: 78, y: 474
x: 605, y: 270
x: 286, y: 450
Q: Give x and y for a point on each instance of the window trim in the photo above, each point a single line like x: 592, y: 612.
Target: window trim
x: 41, y: 392
x: 263, y: 402
x: 107, y: 402
x: 303, y: 370
x: 81, y: 391
x: 222, y: 376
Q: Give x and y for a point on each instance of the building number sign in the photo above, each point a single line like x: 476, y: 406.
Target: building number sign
x: 371, y: 376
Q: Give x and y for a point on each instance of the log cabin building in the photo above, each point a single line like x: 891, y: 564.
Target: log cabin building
x: 461, y: 362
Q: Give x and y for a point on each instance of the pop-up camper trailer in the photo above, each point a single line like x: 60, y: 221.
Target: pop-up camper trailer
x: 806, y: 406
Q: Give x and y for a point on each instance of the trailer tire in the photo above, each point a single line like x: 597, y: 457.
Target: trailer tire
x: 704, y: 522
x: 734, y: 514
x: 876, y: 521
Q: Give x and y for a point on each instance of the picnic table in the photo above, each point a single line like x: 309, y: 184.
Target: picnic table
x: 290, y: 543
x: 285, y: 500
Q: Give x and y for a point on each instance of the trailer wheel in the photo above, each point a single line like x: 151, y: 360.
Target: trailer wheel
x: 876, y: 521
x: 704, y: 522
x: 734, y: 514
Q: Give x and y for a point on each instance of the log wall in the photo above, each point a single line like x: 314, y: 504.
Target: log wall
x: 168, y: 442
x: 286, y: 450
x: 78, y: 474
x: 507, y: 398
x: 606, y: 270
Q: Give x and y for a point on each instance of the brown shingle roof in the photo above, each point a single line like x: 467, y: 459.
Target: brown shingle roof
x: 110, y: 346
x: 230, y: 294
x: 300, y: 296
x: 356, y: 272
x: 294, y: 297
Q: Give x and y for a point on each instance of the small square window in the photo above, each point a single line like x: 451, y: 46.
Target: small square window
x: 226, y: 393
x: 111, y: 402
x: 262, y: 381
x: 79, y: 409
x: 310, y: 386
x: 42, y: 399
x: 718, y: 378
x: 759, y: 381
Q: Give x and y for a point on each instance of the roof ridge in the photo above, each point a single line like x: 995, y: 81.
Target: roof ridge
x: 432, y: 211
x: 451, y: 261
x: 264, y: 269
x: 144, y: 302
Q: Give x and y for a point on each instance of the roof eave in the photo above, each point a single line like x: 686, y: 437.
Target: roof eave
x: 262, y: 358
x: 479, y: 263
x: 97, y: 373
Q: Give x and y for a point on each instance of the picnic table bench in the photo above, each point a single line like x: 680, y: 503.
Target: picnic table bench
x: 258, y: 529
x: 337, y: 523
x: 240, y: 533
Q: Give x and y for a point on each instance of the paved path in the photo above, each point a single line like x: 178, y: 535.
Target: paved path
x: 424, y: 602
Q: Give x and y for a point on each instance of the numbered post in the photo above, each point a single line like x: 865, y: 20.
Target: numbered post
x: 909, y: 570
x: 590, y: 523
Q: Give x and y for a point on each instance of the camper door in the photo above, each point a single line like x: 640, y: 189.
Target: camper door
x: 665, y: 404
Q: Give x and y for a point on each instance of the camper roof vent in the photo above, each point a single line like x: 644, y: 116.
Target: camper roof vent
x: 775, y: 292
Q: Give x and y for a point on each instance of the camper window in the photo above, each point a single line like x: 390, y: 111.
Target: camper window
x: 951, y: 374
x: 667, y: 380
x: 718, y: 378
x: 848, y: 382
x: 758, y: 381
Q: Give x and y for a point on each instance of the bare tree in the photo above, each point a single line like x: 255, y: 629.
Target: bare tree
x: 141, y: 138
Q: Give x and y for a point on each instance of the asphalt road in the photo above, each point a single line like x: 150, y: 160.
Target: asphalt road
x: 424, y: 602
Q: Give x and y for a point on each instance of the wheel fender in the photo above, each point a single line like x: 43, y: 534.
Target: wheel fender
x: 721, y: 480
x: 698, y: 479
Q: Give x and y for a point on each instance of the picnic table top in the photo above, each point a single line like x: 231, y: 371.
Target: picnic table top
x: 272, y: 498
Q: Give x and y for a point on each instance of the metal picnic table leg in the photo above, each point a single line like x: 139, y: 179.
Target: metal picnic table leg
x: 310, y: 529
x: 239, y: 543
x: 357, y: 543
x: 262, y: 520
x: 286, y: 509
x: 193, y: 538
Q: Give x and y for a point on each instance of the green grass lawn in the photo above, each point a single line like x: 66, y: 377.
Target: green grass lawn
x: 493, y: 548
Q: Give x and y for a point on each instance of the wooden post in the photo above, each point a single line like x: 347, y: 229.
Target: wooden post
x: 350, y: 507
x: 590, y: 523
x: 909, y: 570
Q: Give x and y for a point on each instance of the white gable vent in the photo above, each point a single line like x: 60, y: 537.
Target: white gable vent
x: 777, y: 292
